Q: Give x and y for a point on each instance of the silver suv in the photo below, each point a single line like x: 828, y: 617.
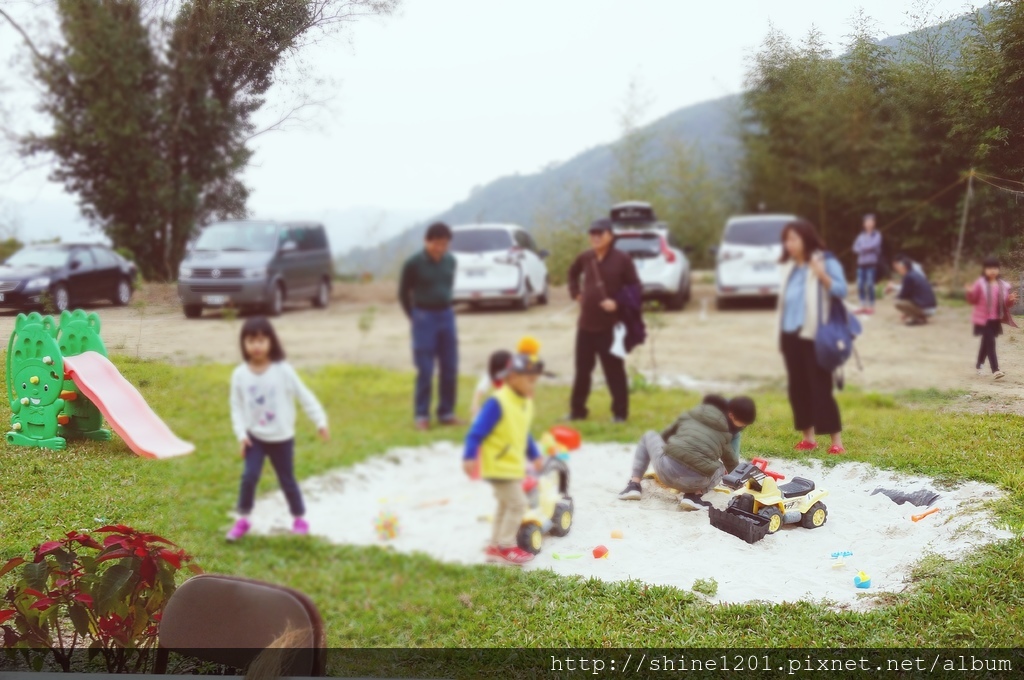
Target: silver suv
x: 256, y: 264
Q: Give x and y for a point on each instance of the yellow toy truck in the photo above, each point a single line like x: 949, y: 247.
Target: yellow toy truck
x: 551, y: 506
x: 760, y: 505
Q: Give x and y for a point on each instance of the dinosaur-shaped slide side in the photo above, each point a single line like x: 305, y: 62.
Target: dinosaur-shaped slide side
x: 124, y: 408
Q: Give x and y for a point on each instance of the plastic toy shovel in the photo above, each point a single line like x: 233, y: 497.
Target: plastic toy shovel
x: 918, y: 518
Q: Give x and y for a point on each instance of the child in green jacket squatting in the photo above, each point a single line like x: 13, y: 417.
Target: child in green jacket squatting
x: 695, y: 452
x: 500, y: 437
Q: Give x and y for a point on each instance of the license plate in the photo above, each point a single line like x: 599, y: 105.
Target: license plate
x: 215, y: 299
x: 473, y: 273
x: 764, y: 266
x: 1, y: 297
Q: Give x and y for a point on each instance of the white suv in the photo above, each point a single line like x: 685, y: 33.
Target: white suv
x: 748, y: 257
x: 663, y: 267
x: 498, y: 263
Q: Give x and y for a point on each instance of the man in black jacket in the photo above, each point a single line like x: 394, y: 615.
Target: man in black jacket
x: 595, y: 280
x: 916, y: 299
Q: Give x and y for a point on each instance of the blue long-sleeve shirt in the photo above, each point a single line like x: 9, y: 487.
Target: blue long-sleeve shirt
x: 794, y: 310
x: 486, y: 420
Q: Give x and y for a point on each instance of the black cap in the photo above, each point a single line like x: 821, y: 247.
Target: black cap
x: 597, y: 226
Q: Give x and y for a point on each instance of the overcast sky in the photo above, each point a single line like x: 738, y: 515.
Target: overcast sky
x: 450, y: 94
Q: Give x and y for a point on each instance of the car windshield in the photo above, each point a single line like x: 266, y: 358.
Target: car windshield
x: 480, y: 240
x: 239, y: 237
x: 759, y: 233
x: 39, y: 257
x: 639, y: 246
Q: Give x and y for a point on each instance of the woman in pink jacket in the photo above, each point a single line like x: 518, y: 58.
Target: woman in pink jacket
x: 992, y: 299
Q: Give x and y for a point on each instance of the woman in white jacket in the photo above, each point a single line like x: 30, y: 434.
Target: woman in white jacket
x: 809, y: 277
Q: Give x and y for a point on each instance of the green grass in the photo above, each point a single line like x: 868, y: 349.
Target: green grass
x: 375, y: 597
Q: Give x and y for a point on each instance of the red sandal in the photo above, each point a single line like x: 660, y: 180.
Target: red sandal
x: 806, y: 446
x: 836, y: 450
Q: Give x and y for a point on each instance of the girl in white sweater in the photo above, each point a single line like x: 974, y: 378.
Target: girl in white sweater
x: 264, y: 388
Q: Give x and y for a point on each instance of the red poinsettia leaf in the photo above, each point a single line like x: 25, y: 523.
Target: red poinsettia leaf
x: 43, y: 603
x: 141, y: 552
x: 84, y: 599
x: 11, y: 564
x: 84, y: 539
x: 48, y: 547
x: 153, y: 538
x: 171, y: 557
x: 7, y: 615
x: 33, y: 592
x: 113, y: 555
x: 110, y: 528
x: 114, y: 539
x: 61, y: 582
x: 147, y: 571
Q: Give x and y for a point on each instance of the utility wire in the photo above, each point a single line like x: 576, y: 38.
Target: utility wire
x: 916, y: 207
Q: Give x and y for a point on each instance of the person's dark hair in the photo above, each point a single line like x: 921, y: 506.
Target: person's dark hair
x: 600, y: 224
x: 744, y: 409
x: 990, y: 261
x: 868, y: 216
x: 904, y: 260
x: 498, y: 363
x: 807, y: 232
x: 718, y: 401
x: 260, y: 325
x: 439, y: 231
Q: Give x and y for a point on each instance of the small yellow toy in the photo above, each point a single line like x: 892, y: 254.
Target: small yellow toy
x: 386, y: 525
x: 551, y: 507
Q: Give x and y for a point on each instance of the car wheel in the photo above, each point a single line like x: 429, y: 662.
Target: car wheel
x: 815, y: 516
x: 544, y: 297
x: 774, y: 518
x: 60, y: 298
x: 193, y: 311
x: 744, y: 502
x: 276, y: 303
x: 523, y: 303
x: 122, y: 293
x: 689, y: 291
x: 677, y: 301
x: 323, y: 295
x: 530, y: 538
x: 561, y: 520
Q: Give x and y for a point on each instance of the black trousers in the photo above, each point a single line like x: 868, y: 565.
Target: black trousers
x: 590, y: 347
x: 810, y: 387
x: 988, y: 334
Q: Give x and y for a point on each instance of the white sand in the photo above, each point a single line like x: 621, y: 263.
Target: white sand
x: 661, y: 544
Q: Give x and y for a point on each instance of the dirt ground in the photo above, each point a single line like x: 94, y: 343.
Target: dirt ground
x: 699, y: 348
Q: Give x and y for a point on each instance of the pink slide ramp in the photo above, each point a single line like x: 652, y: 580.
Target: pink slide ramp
x: 124, y: 408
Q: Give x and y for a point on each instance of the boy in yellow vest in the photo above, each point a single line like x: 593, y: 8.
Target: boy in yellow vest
x: 501, y: 437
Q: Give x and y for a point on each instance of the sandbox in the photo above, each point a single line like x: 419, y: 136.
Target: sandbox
x: 443, y: 514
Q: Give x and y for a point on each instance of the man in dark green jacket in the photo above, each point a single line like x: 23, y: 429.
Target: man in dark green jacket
x: 425, y: 291
x: 693, y: 454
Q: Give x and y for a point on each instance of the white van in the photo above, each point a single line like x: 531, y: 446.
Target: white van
x: 747, y: 261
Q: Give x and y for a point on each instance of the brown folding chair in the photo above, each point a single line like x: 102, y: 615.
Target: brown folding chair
x: 230, y: 620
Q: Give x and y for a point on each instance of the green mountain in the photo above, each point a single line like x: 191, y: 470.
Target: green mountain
x: 710, y: 127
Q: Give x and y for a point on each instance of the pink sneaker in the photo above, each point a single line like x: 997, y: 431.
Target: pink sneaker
x: 300, y: 527
x: 240, y: 529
